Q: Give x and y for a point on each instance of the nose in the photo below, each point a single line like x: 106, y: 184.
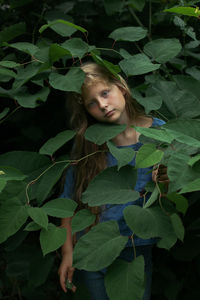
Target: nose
x: 102, y: 103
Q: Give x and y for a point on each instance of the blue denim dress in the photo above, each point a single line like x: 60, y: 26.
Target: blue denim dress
x: 94, y: 281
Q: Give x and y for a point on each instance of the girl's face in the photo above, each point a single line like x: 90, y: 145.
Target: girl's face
x: 106, y: 103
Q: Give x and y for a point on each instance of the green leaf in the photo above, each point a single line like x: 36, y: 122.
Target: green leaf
x: 26, y: 47
x: 153, y: 198
x: 162, y: 50
x: 125, y: 280
x: 25, y: 99
x: 167, y: 242
x: 103, y: 241
x: 185, y: 131
x: 10, y: 173
x: 44, y: 186
x: 148, y: 156
x: 75, y: 27
x: 25, y: 74
x: 32, y: 226
x: 116, y: 187
x: 60, y: 207
x: 7, y: 72
x: 138, y: 5
x: 56, y: 52
x: 100, y: 133
x: 193, y: 160
x: 148, y: 222
x: 131, y: 34
x: 157, y: 134
x: 52, y: 239
x: 38, y: 215
x: 178, y: 226
x: 149, y: 103
x: 137, y: 65
x: 188, y: 83
x: 76, y: 46
x: 186, y: 11
x: 53, y: 144
x: 72, y: 81
x: 82, y: 219
x: 180, y: 201
x: 9, y: 64
x: 12, y: 31
x: 179, y: 172
x: 191, y: 186
x: 122, y: 155
x: 2, y: 183
x: 113, y: 6
x: 12, y: 217
x: 114, y: 69
x: 4, y: 112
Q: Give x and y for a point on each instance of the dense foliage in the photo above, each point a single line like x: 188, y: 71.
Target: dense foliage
x: 155, y: 46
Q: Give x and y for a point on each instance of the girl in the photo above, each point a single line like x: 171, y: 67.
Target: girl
x: 107, y: 99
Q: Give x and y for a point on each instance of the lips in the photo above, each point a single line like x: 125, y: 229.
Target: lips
x: 109, y: 113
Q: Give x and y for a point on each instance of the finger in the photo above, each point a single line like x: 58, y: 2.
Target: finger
x: 162, y: 178
x: 70, y: 278
x: 62, y: 282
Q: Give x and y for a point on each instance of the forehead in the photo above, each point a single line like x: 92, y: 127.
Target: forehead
x: 89, y: 91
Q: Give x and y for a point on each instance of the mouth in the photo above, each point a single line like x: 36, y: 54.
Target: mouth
x: 109, y: 113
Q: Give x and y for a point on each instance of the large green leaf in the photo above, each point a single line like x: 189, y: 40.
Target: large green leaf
x: 188, y: 83
x: 148, y: 156
x: 181, y: 103
x: 137, y: 65
x: 100, y: 133
x: 138, y: 5
x: 10, y: 173
x: 38, y: 215
x: 180, y: 202
x: 162, y: 50
x: 26, y: 161
x: 191, y: 186
x: 25, y: 74
x: 157, y: 134
x: 60, y: 207
x: 9, y: 64
x: 149, y: 103
x: 26, y: 47
x: 114, y: 69
x: 52, y: 239
x: 112, y: 187
x: 65, y: 23
x: 113, y: 6
x: 2, y: 183
x: 104, y: 242
x: 72, y: 81
x: 56, y: 52
x: 6, y: 72
x: 82, y: 219
x: 25, y: 99
x: 178, y: 226
x: 122, y: 155
x: 185, y: 131
x: 53, y: 144
x: 76, y: 46
x: 148, y: 222
x: 48, y: 180
x: 12, y: 31
x: 187, y: 11
x: 131, y: 34
x: 12, y: 217
x: 179, y: 172
x: 125, y: 280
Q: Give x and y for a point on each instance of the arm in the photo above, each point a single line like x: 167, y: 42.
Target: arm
x: 66, y: 270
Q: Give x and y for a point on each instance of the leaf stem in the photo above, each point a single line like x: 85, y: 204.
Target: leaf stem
x: 133, y: 244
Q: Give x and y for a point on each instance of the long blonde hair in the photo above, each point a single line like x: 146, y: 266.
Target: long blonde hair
x: 80, y: 120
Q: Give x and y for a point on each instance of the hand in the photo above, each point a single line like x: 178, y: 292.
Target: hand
x: 66, y: 272
x: 159, y: 174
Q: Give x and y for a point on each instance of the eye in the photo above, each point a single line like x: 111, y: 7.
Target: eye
x: 105, y: 93
x: 92, y: 103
